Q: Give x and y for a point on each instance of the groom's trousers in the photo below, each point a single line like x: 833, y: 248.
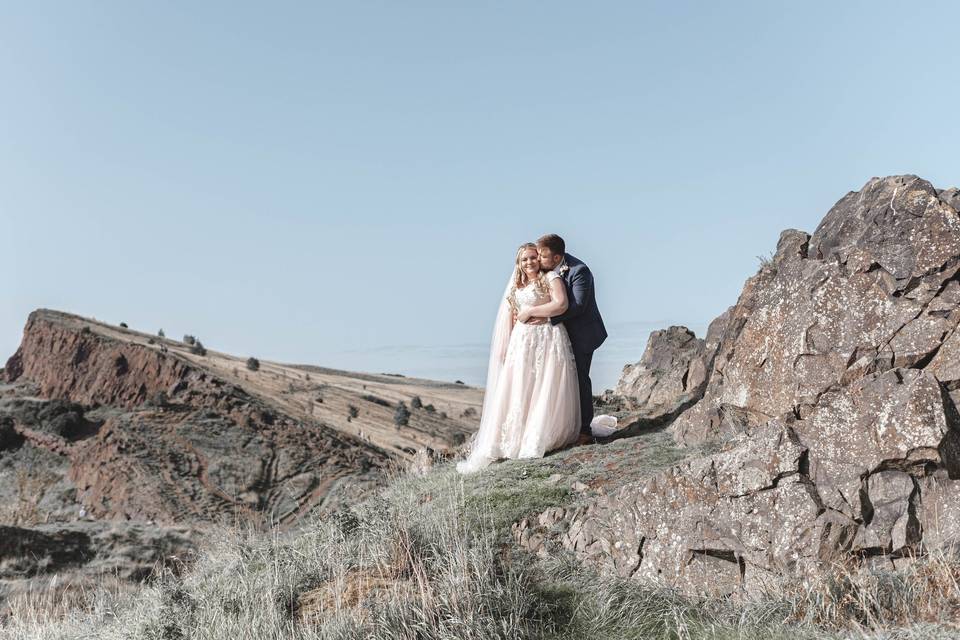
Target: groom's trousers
x: 583, y: 360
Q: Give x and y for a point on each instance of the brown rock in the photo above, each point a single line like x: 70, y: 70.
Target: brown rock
x: 905, y: 228
x: 212, y: 452
x: 874, y: 288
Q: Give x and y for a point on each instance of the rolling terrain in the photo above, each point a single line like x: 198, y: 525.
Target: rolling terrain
x: 119, y: 444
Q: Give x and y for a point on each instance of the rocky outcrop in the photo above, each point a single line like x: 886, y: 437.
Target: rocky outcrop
x: 832, y: 393
x: 874, y: 288
x: 865, y: 475
x: 93, y: 363
x: 671, y: 375
x: 172, y: 465
x: 66, y: 360
x: 146, y: 435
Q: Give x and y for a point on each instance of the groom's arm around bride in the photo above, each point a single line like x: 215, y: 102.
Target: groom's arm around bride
x: 582, y: 317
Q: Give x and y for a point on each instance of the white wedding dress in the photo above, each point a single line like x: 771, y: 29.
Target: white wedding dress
x: 532, y: 401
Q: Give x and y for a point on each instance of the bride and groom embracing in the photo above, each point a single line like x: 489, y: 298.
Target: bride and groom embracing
x: 538, y: 395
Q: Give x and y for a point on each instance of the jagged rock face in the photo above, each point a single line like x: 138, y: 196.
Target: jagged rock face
x: 706, y: 525
x: 67, y: 362
x: 833, y: 392
x: 170, y: 465
x: 671, y: 374
x: 875, y: 287
x: 901, y: 224
x: 206, y: 452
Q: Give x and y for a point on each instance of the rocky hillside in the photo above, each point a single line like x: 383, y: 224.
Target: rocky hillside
x: 103, y: 428
x: 830, y: 387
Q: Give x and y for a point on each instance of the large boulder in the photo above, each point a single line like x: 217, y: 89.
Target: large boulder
x: 874, y: 288
x: 708, y: 525
x: 669, y: 377
x: 900, y: 224
x: 896, y: 420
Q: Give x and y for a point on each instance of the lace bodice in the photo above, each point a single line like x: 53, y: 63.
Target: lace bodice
x: 529, y: 296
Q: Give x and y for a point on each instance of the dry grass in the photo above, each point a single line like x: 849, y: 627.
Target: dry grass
x: 926, y: 590
x: 427, y: 559
x: 46, y: 600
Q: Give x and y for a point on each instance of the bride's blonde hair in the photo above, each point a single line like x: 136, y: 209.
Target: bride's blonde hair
x: 520, y: 279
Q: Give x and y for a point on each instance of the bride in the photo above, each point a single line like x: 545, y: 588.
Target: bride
x: 531, y: 404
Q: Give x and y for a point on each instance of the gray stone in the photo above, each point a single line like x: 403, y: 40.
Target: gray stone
x: 939, y: 512
x: 874, y: 288
x: 900, y: 221
x: 892, y: 525
x: 670, y: 375
x: 894, y: 419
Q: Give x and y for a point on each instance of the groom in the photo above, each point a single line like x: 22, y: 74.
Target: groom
x: 582, y: 318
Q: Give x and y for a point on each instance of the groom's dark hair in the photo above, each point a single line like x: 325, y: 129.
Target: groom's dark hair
x: 553, y: 242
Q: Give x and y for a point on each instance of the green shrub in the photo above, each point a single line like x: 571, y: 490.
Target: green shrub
x: 376, y: 400
x: 401, y: 417
x: 159, y: 399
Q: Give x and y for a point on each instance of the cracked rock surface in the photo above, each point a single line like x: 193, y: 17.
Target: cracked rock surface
x: 831, y: 385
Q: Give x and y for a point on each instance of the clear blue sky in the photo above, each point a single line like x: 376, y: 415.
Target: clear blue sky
x: 346, y: 183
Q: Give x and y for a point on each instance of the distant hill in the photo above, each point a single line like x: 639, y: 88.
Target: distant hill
x: 103, y: 426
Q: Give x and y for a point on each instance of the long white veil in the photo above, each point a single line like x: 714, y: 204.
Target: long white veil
x: 499, y: 343
x: 498, y: 351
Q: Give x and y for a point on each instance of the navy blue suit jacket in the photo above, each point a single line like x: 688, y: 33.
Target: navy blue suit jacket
x: 582, y: 318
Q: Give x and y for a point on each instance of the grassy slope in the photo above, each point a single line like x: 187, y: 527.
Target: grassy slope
x: 430, y: 557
